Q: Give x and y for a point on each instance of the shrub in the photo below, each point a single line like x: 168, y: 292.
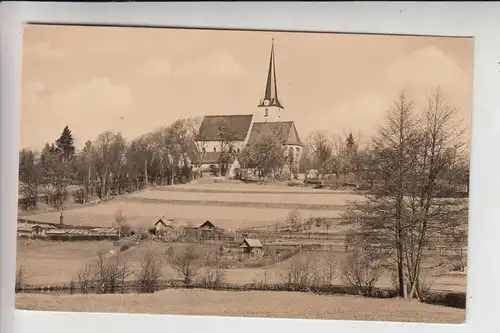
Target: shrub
x: 186, y: 263
x: 149, y: 274
x: 106, y: 274
x: 124, y: 247
x: 361, y: 271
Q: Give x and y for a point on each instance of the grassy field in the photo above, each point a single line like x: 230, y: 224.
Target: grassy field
x: 139, y: 211
x: 248, y: 304
x: 54, y: 263
x: 58, y: 262
x: 265, y: 197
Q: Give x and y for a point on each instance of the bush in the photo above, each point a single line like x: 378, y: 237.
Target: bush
x: 362, y: 271
x: 107, y: 275
x: 124, y: 247
x: 149, y: 274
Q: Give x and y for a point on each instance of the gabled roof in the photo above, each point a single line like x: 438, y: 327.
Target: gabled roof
x: 285, y: 131
x: 207, y: 224
x: 161, y: 221
x: 233, y: 127
x: 250, y: 242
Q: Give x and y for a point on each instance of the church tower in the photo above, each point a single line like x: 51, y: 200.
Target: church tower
x: 270, y: 104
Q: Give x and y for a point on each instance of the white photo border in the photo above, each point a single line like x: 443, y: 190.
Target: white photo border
x: 478, y: 20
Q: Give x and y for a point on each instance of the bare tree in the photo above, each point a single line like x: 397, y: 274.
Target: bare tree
x: 84, y: 278
x: 150, y: 272
x: 212, y: 271
x: 322, y: 149
x: 119, y: 222
x: 300, y: 273
x: 362, y: 270
x: 294, y: 220
x: 186, y: 263
x: 404, y: 211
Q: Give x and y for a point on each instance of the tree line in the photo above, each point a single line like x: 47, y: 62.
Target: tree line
x: 107, y: 166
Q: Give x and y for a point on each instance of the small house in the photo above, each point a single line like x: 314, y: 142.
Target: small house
x: 161, y: 227
x: 251, y: 246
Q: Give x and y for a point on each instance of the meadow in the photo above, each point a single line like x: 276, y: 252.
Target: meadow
x: 242, y: 209
x: 58, y: 263
x: 249, y: 304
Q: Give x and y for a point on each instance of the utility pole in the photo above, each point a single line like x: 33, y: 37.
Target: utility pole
x: 89, y: 180
x: 146, y: 173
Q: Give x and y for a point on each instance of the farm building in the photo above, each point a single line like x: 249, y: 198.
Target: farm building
x: 160, y: 228
x: 29, y: 230
x: 251, y: 246
x: 81, y: 234
x: 206, y: 231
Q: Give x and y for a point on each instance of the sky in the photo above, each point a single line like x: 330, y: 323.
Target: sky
x: 134, y: 80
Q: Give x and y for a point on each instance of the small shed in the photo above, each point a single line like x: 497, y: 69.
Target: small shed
x: 251, y: 246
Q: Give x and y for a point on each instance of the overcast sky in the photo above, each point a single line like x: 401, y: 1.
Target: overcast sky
x: 134, y: 80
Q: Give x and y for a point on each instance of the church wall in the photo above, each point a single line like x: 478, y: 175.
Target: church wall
x: 210, y: 145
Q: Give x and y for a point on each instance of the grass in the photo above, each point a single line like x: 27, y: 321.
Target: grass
x: 139, y: 213
x: 247, y: 304
x: 58, y: 262
x: 291, y: 198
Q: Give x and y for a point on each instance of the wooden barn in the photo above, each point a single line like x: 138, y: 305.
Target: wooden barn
x: 206, y: 231
x: 251, y: 246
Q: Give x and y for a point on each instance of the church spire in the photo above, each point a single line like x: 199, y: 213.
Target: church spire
x: 271, y: 95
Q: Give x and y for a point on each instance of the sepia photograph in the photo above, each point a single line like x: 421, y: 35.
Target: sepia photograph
x: 244, y: 173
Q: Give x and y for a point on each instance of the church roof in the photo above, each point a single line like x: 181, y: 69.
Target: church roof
x: 233, y: 127
x: 271, y: 92
x: 285, y: 131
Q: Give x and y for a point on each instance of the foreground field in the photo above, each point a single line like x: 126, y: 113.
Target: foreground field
x: 247, y: 304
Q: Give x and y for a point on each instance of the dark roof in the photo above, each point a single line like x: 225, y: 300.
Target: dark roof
x: 207, y: 224
x: 161, y: 221
x: 271, y: 94
x: 285, y: 131
x: 234, y: 126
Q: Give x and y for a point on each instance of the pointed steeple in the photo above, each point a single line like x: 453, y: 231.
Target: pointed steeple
x: 271, y: 95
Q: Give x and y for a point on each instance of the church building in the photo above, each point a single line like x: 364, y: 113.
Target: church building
x: 218, y: 134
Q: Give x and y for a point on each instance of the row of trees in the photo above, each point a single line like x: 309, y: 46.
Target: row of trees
x: 107, y: 166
